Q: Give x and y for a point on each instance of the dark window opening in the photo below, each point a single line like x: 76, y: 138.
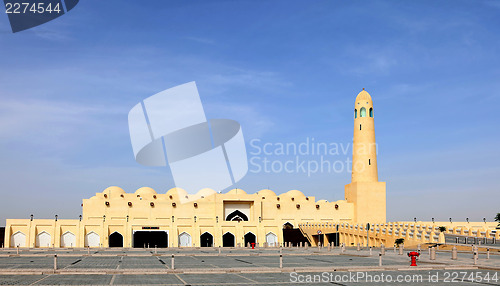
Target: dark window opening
x: 360, y: 127
x: 228, y: 240
x: 250, y: 238
x: 150, y: 239
x: 206, y: 240
x: 369, y: 162
x: 236, y: 216
x: 116, y: 240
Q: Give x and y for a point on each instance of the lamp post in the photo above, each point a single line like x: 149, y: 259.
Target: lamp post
x: 56, y: 217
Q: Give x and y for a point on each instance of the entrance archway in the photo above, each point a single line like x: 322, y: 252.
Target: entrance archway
x: 68, y: 239
x: 271, y: 239
x: 185, y: 240
x: 18, y: 239
x: 150, y: 239
x: 206, y: 240
x: 43, y: 239
x: 116, y: 240
x: 250, y: 238
x: 228, y: 240
x: 92, y: 239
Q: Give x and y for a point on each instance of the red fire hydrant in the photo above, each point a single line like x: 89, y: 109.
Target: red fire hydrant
x: 253, y: 245
x: 413, y: 255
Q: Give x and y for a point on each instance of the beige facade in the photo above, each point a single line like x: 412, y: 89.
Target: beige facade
x: 146, y: 218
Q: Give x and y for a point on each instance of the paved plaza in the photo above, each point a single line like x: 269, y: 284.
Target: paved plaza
x: 241, y: 266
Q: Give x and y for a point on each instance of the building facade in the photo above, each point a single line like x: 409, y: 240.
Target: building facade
x: 145, y: 218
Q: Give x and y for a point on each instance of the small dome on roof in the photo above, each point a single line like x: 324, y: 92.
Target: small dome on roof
x: 205, y: 192
x: 236, y: 192
x: 113, y: 190
x: 363, y: 95
x: 145, y: 191
x: 179, y: 192
x: 322, y: 201
x: 295, y: 194
x: 267, y: 193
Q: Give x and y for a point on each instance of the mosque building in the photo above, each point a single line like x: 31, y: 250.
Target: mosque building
x: 114, y: 218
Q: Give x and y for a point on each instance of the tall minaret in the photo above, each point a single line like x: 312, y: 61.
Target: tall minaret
x: 365, y: 192
x: 364, y: 155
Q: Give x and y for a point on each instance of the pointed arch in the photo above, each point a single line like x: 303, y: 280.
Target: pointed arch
x: 68, y: 239
x: 92, y: 239
x: 185, y: 239
x: 18, y: 239
x: 371, y: 111
x: 362, y: 112
x: 237, y: 216
x: 43, y: 239
x: 271, y: 239
x: 355, y: 113
x: 206, y: 239
x: 228, y: 240
x: 287, y: 225
x: 250, y: 237
x: 116, y: 239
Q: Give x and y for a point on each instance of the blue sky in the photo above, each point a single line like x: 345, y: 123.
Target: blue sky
x: 286, y: 70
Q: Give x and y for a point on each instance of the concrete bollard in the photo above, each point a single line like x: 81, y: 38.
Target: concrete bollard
x: 401, y: 249
x: 359, y: 247
x: 219, y: 250
x: 281, y: 260
x: 55, y: 262
x: 370, y: 251
x: 433, y: 253
x: 430, y: 251
x: 173, y: 262
x: 156, y: 252
x: 307, y: 245
x: 394, y: 248
x: 301, y: 244
x: 380, y: 259
x: 88, y: 250
x: 454, y: 253
x: 17, y: 250
x: 382, y: 249
x: 475, y: 258
x: 319, y: 247
x: 487, y: 253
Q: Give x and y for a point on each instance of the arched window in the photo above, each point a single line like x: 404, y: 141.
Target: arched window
x: 355, y: 113
x: 236, y: 216
x: 371, y: 112
x: 362, y: 112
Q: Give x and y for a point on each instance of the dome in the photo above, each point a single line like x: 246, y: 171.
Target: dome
x: 236, y: 192
x: 363, y: 95
x: 267, y: 193
x: 145, y: 191
x: 114, y: 191
x: 179, y: 192
x: 295, y: 194
x: 205, y: 192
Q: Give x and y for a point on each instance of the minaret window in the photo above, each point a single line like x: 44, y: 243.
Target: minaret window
x: 369, y: 162
x: 362, y: 112
x: 355, y: 113
x: 371, y: 112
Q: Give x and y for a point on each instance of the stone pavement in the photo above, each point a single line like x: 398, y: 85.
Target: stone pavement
x: 240, y: 267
